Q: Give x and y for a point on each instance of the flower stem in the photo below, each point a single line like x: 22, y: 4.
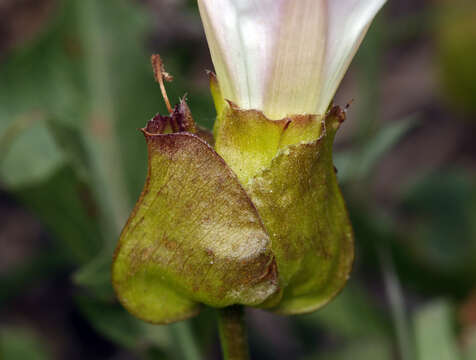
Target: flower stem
x: 233, y: 337
x: 396, y: 300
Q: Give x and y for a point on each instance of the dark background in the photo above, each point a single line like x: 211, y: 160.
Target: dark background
x: 76, y: 84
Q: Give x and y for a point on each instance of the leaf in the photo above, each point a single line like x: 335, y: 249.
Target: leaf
x: 454, y: 36
x: 194, y: 236
x: 96, y: 276
x: 45, y: 166
x: 26, y: 275
x: 31, y: 158
x: 384, y: 140
x: 355, y: 165
x: 470, y: 344
x: 113, y: 321
x: 20, y: 343
x: 73, y: 148
x: 367, y: 349
x: 43, y: 76
x: 352, y: 314
x: 185, y: 340
x: 439, y: 207
x: 435, y: 332
x: 64, y: 204
x: 116, y: 324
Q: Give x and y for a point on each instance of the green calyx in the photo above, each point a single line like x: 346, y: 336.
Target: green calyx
x: 194, y: 236
x: 302, y: 208
x: 258, y: 220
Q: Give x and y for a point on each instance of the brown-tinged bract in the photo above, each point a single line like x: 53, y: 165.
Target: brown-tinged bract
x: 257, y: 220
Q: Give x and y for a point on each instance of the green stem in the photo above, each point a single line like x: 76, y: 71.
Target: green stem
x: 396, y: 300
x: 101, y: 136
x: 233, y: 337
x: 184, y: 341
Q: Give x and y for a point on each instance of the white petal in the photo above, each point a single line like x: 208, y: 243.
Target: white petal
x: 238, y: 34
x: 268, y: 54
x: 294, y: 85
x: 284, y: 56
x: 349, y: 21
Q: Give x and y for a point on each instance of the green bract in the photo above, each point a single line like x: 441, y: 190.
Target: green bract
x: 259, y: 220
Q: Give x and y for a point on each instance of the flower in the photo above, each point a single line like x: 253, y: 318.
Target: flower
x: 253, y: 216
x: 284, y: 57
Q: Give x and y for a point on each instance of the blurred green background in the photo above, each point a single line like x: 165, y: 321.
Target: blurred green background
x: 75, y: 87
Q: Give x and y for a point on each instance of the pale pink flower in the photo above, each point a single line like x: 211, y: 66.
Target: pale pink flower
x: 284, y: 57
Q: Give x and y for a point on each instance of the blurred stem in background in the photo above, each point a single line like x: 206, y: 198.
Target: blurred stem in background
x: 370, y: 74
x: 395, y: 298
x: 101, y: 136
x: 185, y: 341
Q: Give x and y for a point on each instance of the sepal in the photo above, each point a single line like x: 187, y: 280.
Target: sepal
x: 302, y: 208
x: 194, y: 235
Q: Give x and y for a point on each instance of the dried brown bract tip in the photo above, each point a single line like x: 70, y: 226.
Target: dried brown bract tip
x: 338, y: 113
x: 160, y: 75
x: 180, y: 120
x: 211, y: 75
x: 159, y: 69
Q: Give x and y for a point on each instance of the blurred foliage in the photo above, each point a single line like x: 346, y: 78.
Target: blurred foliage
x: 361, y: 350
x: 358, y: 164
x: 455, y: 40
x: 352, y: 315
x: 470, y: 346
x: 22, y: 343
x: 71, y: 101
x: 439, y: 227
x: 435, y: 333
x: 109, y: 318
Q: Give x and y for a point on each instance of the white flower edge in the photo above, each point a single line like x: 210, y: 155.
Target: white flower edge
x: 349, y: 23
x: 284, y: 57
